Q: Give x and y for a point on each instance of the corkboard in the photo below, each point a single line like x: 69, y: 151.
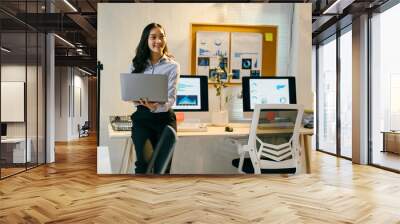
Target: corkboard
x: 269, y: 47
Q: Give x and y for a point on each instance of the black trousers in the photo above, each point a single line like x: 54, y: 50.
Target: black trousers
x: 148, y: 125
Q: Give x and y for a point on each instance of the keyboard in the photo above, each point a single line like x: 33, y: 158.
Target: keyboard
x: 192, y: 127
x: 121, y: 123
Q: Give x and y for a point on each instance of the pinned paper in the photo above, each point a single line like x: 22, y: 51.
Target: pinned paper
x: 268, y: 37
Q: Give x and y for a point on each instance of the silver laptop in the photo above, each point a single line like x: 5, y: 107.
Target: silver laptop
x: 136, y: 86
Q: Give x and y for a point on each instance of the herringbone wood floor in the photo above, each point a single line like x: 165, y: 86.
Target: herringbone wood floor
x: 69, y: 191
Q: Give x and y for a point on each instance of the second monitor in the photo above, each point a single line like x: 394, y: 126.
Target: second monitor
x: 192, y: 93
x: 268, y: 90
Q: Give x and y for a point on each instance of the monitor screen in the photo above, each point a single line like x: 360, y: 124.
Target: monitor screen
x: 3, y: 129
x: 268, y: 90
x: 191, y: 93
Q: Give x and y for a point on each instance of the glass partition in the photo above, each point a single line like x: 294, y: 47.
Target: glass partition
x: 14, y: 153
x: 327, y: 96
x: 385, y: 89
x: 346, y: 94
x: 22, y: 64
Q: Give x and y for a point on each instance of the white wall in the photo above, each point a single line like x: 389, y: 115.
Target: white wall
x: 300, y: 55
x: 68, y: 82
x: 120, y: 27
x: 33, y: 127
x: 12, y: 73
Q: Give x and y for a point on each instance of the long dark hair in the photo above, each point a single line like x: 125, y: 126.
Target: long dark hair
x: 143, y: 51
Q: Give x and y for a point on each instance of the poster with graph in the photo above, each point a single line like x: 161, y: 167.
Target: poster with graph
x: 246, y: 55
x: 210, y: 46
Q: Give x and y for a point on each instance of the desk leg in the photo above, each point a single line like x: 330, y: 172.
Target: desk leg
x: 125, y: 158
x: 131, y: 157
x: 307, y: 153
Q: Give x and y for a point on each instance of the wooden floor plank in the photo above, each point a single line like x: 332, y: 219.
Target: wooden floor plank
x: 70, y: 191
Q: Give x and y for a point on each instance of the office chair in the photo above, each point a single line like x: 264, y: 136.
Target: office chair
x: 84, y: 130
x: 271, y: 153
x: 163, y: 152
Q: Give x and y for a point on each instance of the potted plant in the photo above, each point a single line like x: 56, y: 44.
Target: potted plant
x: 220, y: 80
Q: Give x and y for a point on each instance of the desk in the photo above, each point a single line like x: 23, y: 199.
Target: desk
x: 16, y: 146
x: 197, y: 150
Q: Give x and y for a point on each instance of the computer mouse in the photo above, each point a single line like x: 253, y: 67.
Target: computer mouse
x: 228, y: 129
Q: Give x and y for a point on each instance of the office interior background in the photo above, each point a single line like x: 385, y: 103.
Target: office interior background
x: 116, y: 35
x: 74, y: 53
x: 50, y: 47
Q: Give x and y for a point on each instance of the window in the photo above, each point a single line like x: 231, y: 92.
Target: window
x: 346, y: 93
x: 385, y: 88
x: 327, y: 96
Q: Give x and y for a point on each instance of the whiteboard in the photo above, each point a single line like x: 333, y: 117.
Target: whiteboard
x: 12, y: 101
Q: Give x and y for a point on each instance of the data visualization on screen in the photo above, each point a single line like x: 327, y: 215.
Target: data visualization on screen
x: 192, y: 94
x: 268, y: 90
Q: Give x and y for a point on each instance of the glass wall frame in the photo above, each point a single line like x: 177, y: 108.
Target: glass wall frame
x: 23, y: 60
x: 332, y: 95
x: 384, y: 88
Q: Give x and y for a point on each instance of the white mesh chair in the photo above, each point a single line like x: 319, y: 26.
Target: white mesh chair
x: 270, y: 152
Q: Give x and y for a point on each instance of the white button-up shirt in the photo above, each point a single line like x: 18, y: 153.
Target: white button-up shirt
x: 169, y: 67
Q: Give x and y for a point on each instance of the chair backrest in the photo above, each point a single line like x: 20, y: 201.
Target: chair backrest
x: 282, y: 118
x: 163, y: 151
x: 86, y: 125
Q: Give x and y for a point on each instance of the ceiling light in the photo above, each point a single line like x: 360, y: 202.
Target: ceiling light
x: 337, y: 7
x: 5, y: 50
x: 70, y: 5
x: 65, y: 41
x: 84, y: 71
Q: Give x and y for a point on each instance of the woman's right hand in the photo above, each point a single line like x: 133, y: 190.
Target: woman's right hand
x: 150, y: 105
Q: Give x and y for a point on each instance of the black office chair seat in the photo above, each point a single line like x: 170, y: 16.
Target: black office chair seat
x: 248, y: 168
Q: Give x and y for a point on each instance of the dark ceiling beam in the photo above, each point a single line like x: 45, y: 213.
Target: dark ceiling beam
x: 91, y: 5
x: 84, y: 24
x: 82, y: 61
x: 49, y: 22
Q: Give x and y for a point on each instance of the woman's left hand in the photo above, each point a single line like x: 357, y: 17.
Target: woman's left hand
x: 150, y: 105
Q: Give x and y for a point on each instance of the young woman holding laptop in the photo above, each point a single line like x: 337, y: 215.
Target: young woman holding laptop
x: 150, y: 119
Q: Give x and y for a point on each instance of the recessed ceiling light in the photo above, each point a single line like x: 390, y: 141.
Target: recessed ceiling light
x: 84, y: 71
x: 337, y: 7
x: 64, y: 40
x: 70, y: 5
x: 5, y: 50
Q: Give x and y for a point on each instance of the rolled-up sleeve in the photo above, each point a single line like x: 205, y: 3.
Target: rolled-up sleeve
x: 173, y: 77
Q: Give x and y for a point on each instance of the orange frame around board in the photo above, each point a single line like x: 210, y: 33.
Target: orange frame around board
x: 269, y: 47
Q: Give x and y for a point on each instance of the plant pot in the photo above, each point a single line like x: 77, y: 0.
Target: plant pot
x: 219, y: 118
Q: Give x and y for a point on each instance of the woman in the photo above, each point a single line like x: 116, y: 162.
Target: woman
x: 150, y: 119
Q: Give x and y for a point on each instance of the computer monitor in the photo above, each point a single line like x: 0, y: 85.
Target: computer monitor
x: 3, y: 129
x: 268, y: 90
x: 192, y: 93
